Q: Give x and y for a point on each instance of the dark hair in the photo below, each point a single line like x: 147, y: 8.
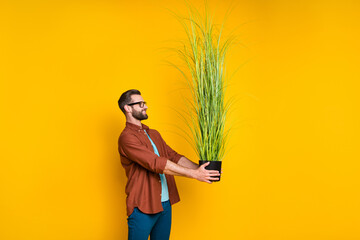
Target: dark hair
x: 126, y: 98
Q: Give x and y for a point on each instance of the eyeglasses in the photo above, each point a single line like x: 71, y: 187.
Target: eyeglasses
x: 141, y: 104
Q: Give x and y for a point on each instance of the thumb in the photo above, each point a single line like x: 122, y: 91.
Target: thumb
x: 205, y: 164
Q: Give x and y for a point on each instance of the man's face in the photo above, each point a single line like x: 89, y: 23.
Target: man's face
x: 138, y: 112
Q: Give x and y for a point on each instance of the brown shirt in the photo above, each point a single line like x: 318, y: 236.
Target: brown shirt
x: 142, y: 168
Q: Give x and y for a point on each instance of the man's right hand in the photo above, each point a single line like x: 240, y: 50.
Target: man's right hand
x: 200, y: 173
x: 204, y: 175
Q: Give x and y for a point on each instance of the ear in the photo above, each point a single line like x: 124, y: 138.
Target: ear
x: 127, y: 108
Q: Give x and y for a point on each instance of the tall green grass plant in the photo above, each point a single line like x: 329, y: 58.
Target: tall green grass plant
x: 204, y: 54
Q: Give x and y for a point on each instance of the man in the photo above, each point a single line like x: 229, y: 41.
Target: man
x: 150, y: 165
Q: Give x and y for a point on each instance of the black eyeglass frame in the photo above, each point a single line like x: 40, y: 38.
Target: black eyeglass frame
x: 141, y: 104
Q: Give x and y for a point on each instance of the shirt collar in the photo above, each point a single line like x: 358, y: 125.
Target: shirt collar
x: 136, y: 127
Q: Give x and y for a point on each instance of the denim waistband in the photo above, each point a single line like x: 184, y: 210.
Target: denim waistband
x: 166, y: 203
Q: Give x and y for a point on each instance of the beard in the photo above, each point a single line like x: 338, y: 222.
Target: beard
x: 139, y: 115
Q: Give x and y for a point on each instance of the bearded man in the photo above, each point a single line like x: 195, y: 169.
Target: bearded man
x: 150, y: 166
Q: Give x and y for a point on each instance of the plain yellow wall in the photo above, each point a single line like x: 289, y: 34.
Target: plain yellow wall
x: 292, y: 170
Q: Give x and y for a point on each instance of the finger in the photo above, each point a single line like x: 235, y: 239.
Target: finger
x: 214, y: 174
x: 205, y: 164
x: 214, y: 179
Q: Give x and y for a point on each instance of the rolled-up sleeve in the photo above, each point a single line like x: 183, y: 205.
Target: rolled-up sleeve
x: 173, y: 155
x: 170, y: 153
x: 134, y: 150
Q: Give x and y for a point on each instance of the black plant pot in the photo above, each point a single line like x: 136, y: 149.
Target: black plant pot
x: 214, y: 165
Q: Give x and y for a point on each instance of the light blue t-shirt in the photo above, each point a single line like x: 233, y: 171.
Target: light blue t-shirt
x: 164, y: 187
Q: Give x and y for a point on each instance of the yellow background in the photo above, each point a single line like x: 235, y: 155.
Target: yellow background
x: 292, y: 170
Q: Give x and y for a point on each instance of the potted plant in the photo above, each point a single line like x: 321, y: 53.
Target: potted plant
x: 204, y: 54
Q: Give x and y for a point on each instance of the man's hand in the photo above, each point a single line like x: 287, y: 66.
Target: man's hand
x: 204, y: 175
x: 199, y: 173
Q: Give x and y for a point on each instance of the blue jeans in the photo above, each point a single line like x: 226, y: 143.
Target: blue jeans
x: 158, y: 225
